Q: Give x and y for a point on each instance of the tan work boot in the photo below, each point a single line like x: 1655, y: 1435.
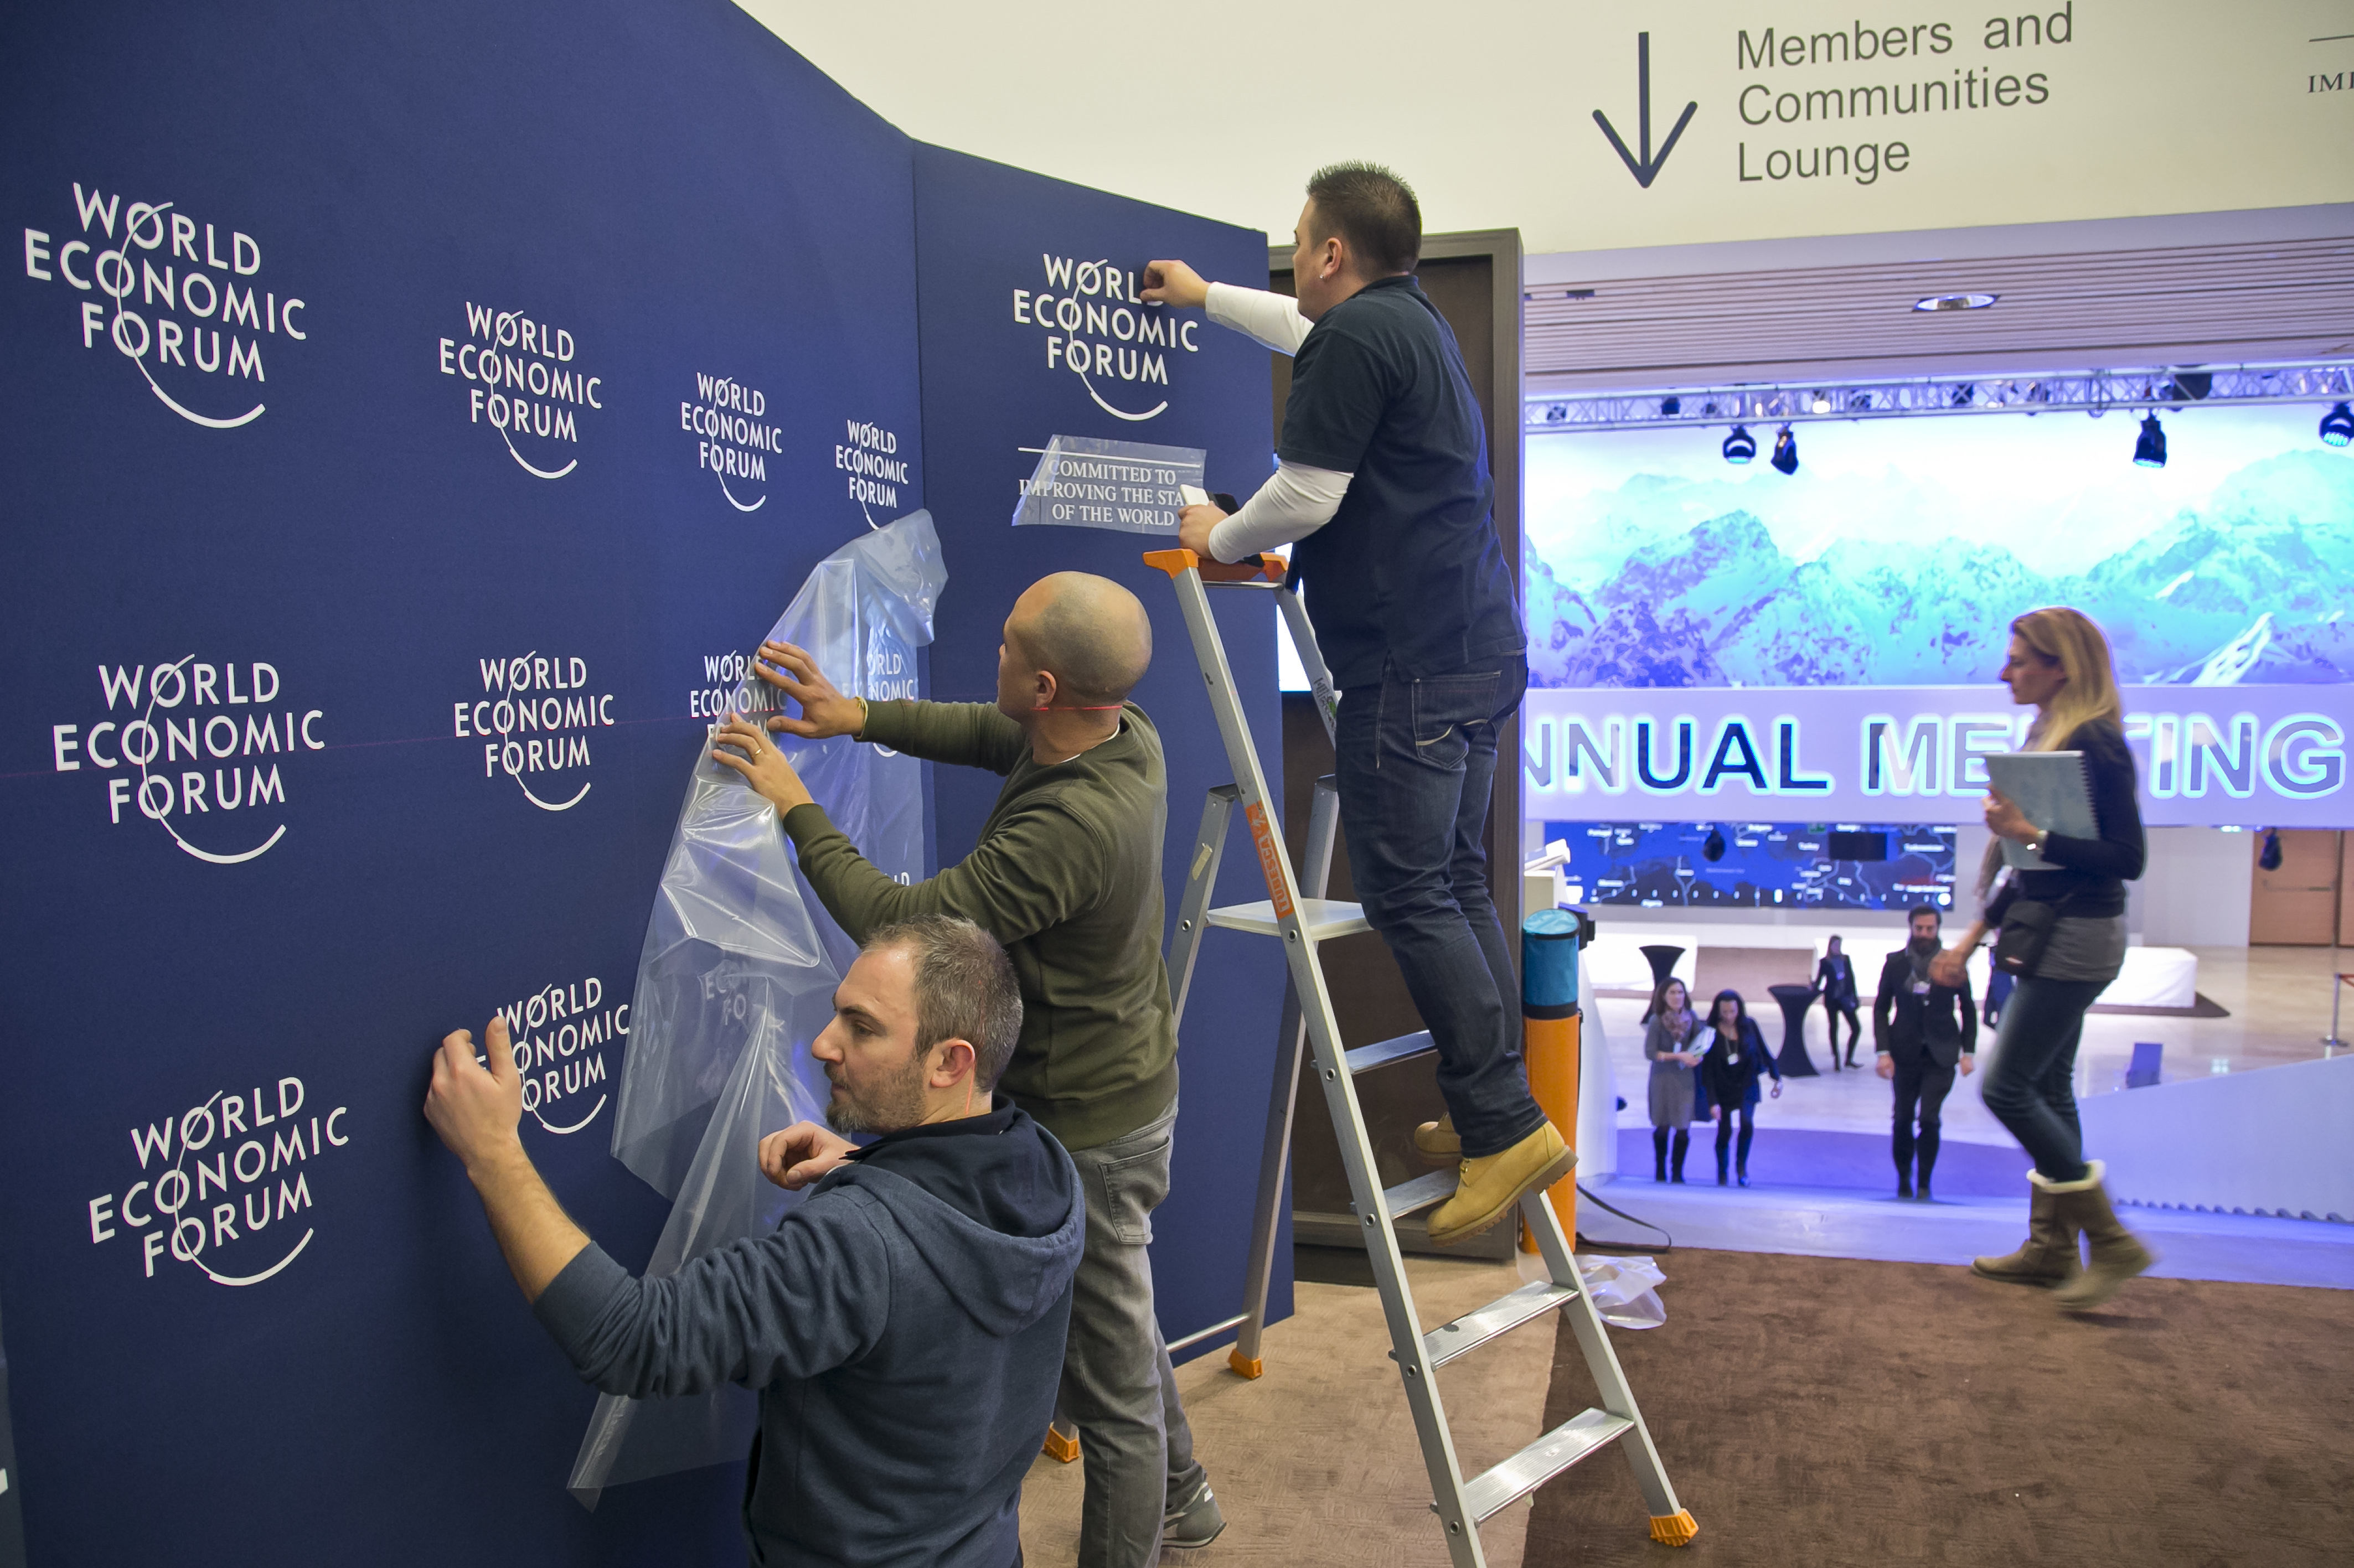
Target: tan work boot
x: 1489, y: 1188
x: 2113, y: 1254
x: 1437, y: 1139
x: 2047, y: 1255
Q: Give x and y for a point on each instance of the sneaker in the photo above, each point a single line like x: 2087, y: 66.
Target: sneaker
x: 1437, y: 1139
x: 1489, y: 1187
x: 1196, y: 1525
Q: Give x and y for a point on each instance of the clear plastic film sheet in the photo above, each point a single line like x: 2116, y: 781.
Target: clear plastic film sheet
x: 738, y: 972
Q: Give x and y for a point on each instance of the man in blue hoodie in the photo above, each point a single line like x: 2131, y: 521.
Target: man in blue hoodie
x: 903, y: 1326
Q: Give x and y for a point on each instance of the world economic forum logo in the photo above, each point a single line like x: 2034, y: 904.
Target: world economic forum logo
x: 526, y: 382
x: 197, y: 748
x: 183, y: 298
x: 1099, y: 328
x: 224, y: 1186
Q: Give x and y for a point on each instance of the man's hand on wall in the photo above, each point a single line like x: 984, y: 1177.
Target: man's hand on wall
x: 744, y: 745
x: 1174, y: 283
x: 473, y: 1105
x: 826, y: 712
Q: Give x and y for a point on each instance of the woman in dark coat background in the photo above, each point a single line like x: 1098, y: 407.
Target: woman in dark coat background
x: 1834, y: 983
x: 1736, y: 1056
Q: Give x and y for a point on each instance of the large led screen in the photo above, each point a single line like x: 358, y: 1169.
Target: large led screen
x: 1900, y: 550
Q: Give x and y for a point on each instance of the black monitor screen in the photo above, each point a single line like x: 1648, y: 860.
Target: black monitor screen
x: 1858, y: 846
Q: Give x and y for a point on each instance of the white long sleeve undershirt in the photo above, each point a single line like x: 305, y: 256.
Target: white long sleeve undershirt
x: 1297, y: 500
x: 1271, y: 319
x: 1294, y: 502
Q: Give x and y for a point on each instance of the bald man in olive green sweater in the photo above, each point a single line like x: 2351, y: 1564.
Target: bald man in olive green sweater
x: 1066, y: 875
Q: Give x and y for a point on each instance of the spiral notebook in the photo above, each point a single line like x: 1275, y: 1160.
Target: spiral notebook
x: 2054, y: 791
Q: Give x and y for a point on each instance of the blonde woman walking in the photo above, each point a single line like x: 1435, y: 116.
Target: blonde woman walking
x: 2059, y: 663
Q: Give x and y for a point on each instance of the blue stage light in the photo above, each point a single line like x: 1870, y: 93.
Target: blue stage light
x: 2337, y: 426
x: 1785, y: 452
x: 1740, y: 446
x: 2150, y: 450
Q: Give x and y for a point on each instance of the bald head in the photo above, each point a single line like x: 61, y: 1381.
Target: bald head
x: 1088, y: 633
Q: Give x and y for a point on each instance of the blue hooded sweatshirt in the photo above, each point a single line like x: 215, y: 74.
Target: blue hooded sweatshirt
x: 903, y: 1327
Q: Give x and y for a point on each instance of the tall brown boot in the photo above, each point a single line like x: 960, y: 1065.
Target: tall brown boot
x: 2113, y: 1253
x: 2047, y: 1255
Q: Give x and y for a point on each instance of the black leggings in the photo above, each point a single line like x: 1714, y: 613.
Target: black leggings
x: 1724, y: 1136
x: 1833, y: 1011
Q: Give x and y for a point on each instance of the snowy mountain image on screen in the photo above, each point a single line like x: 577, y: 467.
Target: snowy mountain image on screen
x: 2251, y: 585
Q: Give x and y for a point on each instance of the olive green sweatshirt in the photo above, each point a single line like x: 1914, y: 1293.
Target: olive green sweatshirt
x: 1067, y: 876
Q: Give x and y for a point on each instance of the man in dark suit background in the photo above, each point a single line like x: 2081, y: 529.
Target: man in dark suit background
x: 1921, y: 1031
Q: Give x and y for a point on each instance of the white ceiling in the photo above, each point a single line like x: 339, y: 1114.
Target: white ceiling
x: 2230, y: 288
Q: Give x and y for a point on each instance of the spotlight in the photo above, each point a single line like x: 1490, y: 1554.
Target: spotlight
x: 1671, y: 406
x: 1785, y: 452
x: 2150, y: 450
x: 1954, y: 301
x: 1740, y: 446
x: 2337, y: 426
x: 1821, y: 403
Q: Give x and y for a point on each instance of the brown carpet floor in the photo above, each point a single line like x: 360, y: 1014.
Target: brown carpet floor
x: 1822, y: 1412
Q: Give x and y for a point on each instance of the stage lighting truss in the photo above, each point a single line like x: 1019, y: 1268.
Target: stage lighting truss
x: 2089, y: 392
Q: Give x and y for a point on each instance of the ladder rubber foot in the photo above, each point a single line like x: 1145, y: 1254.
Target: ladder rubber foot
x: 1066, y: 1449
x: 1675, y: 1528
x: 1252, y: 1367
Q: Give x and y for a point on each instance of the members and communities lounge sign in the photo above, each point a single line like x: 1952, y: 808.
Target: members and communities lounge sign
x: 2209, y: 756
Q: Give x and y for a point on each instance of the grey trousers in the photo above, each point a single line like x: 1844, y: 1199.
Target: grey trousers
x: 1117, y: 1387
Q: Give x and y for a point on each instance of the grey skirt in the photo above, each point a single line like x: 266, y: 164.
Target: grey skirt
x: 1671, y: 1093
x: 2081, y: 950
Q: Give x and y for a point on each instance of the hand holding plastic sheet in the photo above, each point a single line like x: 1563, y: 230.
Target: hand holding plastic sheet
x: 738, y: 972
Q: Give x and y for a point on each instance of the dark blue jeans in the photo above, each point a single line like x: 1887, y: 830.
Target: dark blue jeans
x: 1417, y: 758
x: 2031, y: 1088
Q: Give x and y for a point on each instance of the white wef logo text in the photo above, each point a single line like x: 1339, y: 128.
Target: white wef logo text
x: 560, y: 1034
x: 1099, y: 329
x: 190, y: 309
x: 534, y: 718
x: 524, y: 385
x: 224, y: 1185
x: 732, y: 439
x: 230, y: 806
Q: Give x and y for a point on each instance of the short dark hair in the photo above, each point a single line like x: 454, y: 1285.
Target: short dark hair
x: 1372, y: 211
x: 1920, y: 909
x: 965, y: 989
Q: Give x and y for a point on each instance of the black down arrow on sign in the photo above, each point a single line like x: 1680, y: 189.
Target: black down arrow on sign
x: 1646, y: 168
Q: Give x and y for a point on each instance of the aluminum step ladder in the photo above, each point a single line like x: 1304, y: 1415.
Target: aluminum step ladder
x: 1301, y: 917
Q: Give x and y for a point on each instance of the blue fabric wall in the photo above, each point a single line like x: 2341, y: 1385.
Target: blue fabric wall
x: 321, y: 1356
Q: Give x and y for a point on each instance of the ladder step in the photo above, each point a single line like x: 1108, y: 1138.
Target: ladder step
x: 1473, y: 1329
x: 1420, y: 1193
x: 1579, y: 1437
x: 1323, y: 919
x: 1366, y: 1058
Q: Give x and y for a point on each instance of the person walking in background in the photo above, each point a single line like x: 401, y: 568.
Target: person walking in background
x: 1834, y: 983
x: 1736, y: 1056
x: 1667, y: 1031
x: 2059, y: 663
x: 1920, y: 1030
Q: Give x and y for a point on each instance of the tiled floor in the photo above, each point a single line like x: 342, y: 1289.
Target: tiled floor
x: 2278, y: 999
x: 1845, y: 1222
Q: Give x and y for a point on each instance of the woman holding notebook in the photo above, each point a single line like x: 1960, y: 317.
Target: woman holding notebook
x: 2060, y: 910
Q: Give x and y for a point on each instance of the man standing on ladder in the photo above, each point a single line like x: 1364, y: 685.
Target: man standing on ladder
x: 1382, y: 481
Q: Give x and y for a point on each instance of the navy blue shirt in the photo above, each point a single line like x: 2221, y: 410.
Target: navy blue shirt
x: 1409, y: 570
